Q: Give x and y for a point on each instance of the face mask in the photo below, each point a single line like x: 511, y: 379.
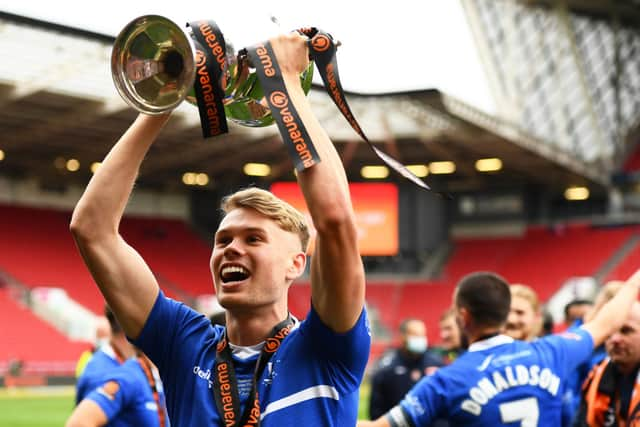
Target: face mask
x: 417, y: 344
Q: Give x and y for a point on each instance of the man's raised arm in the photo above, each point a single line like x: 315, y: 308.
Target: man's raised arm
x: 613, y: 314
x: 123, y: 277
x: 337, y: 273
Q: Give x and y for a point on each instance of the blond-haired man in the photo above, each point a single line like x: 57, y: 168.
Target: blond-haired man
x: 525, y: 320
x: 264, y: 367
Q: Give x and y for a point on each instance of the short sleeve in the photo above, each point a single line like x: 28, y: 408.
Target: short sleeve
x: 424, y: 402
x: 568, y: 349
x: 116, y: 393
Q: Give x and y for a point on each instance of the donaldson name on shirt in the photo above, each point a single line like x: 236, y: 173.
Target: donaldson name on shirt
x: 511, y: 376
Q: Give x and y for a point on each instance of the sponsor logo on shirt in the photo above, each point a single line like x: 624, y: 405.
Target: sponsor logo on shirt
x: 414, y: 403
x: 205, y: 375
x: 507, y: 359
x: 109, y: 390
x: 271, y: 372
x: 571, y: 336
x: 269, y: 378
x: 485, y: 364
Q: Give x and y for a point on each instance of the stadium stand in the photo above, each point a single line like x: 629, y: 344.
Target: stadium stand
x: 385, y: 298
x: 38, y: 250
x: 627, y: 266
x: 41, y: 236
x: 173, y: 252
x: 39, y: 346
x: 569, y: 251
x: 299, y: 299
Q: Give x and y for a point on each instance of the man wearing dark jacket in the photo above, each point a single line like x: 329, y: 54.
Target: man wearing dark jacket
x: 401, y: 368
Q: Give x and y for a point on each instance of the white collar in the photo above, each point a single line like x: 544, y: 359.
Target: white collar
x: 490, y: 342
x: 107, y: 349
x: 244, y: 352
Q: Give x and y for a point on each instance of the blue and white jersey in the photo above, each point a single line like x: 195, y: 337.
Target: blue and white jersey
x: 103, y: 361
x: 312, y: 379
x: 126, y: 397
x: 498, y: 382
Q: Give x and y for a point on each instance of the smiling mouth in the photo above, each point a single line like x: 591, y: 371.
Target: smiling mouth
x: 234, y: 274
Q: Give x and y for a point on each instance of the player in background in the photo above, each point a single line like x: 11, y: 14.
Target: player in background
x: 102, y: 337
x: 130, y: 395
x: 452, y: 341
x: 500, y: 381
x: 525, y: 319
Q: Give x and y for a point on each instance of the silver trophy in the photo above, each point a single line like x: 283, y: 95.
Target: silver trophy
x: 153, y: 64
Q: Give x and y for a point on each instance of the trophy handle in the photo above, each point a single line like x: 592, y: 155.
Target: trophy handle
x: 152, y: 64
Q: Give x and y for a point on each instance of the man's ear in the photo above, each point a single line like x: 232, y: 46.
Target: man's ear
x: 297, y: 266
x: 463, y: 317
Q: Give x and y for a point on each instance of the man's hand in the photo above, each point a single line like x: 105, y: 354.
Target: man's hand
x: 292, y: 53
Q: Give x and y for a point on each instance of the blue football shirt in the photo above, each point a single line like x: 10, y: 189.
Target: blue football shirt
x: 313, y: 378
x: 498, y: 382
x: 126, y: 397
x: 103, y: 361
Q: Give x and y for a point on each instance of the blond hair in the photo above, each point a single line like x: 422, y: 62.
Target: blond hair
x: 527, y: 293
x: 264, y: 202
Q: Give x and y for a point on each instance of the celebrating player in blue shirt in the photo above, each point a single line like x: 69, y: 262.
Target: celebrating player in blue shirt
x: 129, y: 395
x: 501, y: 381
x: 102, y: 362
x: 265, y: 367
x: 106, y: 358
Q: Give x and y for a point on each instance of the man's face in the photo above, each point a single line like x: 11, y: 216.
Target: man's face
x: 523, y: 321
x: 253, y: 260
x: 450, y: 333
x: 624, y: 345
x: 576, y: 311
x: 415, y: 337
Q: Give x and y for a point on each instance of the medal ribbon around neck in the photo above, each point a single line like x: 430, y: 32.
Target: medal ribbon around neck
x: 225, y: 384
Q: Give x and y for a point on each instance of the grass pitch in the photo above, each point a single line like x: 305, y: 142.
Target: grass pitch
x: 51, y: 406
x: 35, y: 407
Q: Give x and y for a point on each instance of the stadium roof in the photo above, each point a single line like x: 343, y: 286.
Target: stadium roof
x: 410, y: 46
x: 57, y: 101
